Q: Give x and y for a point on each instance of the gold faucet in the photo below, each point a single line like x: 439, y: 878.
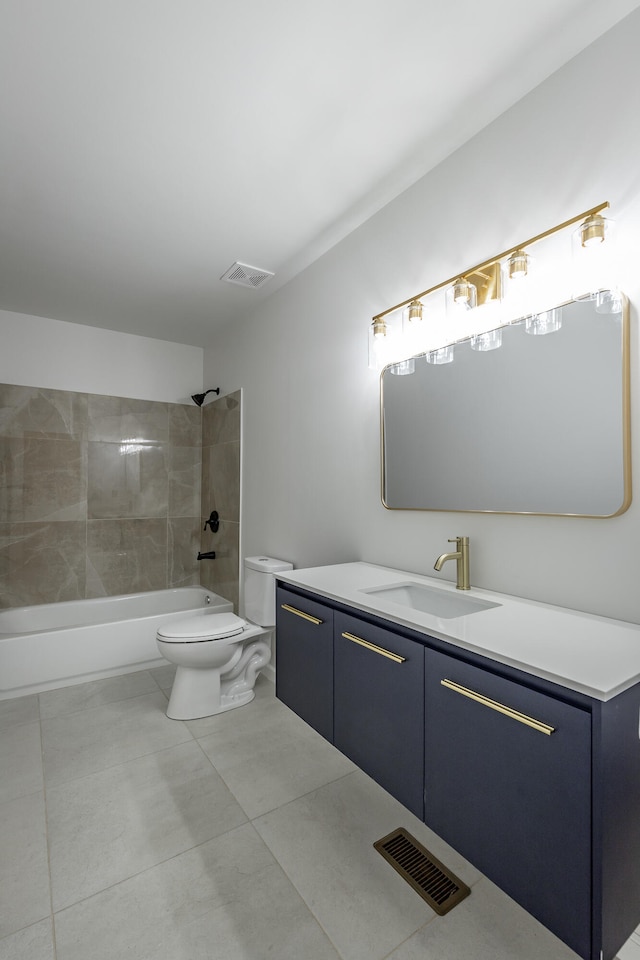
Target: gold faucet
x: 461, y: 556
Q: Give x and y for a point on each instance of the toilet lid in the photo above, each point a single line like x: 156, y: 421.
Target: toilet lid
x: 213, y: 626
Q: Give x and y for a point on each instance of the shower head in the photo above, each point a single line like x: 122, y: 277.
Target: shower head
x: 199, y: 397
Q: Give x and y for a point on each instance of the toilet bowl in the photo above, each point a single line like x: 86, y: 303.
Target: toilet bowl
x: 219, y: 655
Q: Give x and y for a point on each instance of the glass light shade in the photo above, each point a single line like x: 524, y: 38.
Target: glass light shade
x: 594, y: 256
x: 460, y: 297
x: 491, y: 340
x: 378, y: 344
x: 608, y: 301
x: 543, y: 323
x: 404, y: 368
x: 518, y: 265
x: 442, y: 355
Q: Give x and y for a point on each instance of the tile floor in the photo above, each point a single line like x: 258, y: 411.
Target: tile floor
x: 240, y: 837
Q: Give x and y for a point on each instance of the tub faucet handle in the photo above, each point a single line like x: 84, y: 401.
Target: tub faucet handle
x: 213, y: 521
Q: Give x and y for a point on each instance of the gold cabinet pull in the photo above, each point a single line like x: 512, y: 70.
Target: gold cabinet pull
x: 372, y: 646
x: 299, y: 613
x: 500, y: 707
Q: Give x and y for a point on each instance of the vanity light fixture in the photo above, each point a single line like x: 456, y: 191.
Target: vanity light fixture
x: 481, y: 287
x: 483, y: 342
x: 518, y: 265
x: 593, y: 230
x: 548, y: 322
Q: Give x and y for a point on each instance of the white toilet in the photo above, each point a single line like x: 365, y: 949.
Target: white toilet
x: 220, y: 655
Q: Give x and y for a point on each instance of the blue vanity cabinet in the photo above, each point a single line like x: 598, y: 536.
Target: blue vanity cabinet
x: 513, y: 798
x: 304, y: 658
x: 378, y: 706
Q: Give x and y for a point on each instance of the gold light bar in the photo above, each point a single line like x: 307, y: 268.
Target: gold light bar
x: 486, y: 265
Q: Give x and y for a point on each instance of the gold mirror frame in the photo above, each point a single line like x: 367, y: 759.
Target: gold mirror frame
x: 623, y: 424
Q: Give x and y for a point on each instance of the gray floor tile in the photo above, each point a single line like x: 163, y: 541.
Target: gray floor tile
x: 84, y: 696
x: 78, y: 744
x: 32, y: 943
x: 269, y: 756
x: 17, y: 711
x: 20, y: 761
x: 488, y: 925
x: 111, y: 825
x: 164, y: 675
x: 324, y: 843
x: 24, y: 874
x: 225, y: 900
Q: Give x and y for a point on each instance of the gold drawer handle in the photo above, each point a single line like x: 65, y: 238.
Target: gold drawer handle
x: 372, y: 646
x: 494, y: 705
x: 299, y: 613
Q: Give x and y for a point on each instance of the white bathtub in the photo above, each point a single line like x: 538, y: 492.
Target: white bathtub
x: 56, y: 644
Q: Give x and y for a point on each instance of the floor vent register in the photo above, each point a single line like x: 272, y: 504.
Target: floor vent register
x: 441, y: 889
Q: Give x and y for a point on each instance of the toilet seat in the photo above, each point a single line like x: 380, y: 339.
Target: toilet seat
x: 215, y: 626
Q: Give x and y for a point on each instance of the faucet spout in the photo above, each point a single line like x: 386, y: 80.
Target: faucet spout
x: 442, y: 559
x: 461, y: 556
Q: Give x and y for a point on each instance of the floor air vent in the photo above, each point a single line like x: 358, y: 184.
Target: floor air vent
x: 429, y: 878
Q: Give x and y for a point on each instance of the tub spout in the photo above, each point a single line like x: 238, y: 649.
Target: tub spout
x: 209, y: 555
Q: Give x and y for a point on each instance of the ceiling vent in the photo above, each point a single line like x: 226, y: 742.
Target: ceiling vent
x: 245, y: 276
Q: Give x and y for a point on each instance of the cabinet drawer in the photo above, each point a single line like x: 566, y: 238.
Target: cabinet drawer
x: 304, y: 659
x: 509, y: 786
x: 378, y: 706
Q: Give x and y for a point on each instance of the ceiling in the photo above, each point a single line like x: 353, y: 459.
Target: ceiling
x: 146, y: 145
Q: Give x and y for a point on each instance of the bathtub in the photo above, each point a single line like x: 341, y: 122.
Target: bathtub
x: 56, y: 644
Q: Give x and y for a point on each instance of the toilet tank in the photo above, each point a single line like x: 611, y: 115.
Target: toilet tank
x: 260, y: 589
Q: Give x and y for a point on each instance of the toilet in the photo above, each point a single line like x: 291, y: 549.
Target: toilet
x: 219, y: 655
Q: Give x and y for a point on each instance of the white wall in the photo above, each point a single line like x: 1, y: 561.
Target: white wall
x: 311, y: 406
x: 38, y: 352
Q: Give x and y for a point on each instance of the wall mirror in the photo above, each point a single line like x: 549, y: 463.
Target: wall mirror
x: 539, y: 426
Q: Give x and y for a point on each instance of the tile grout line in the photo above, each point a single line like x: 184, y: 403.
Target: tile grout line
x: 46, y: 834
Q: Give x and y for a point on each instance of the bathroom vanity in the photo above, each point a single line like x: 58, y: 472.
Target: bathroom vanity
x: 511, y: 728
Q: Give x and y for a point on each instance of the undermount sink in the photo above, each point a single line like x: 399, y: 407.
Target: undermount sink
x: 439, y: 603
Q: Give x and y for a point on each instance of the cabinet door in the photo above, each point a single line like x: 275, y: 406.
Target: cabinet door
x: 304, y: 659
x: 512, y: 798
x: 378, y: 706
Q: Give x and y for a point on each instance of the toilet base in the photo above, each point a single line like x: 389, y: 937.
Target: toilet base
x: 184, y: 706
x: 206, y: 691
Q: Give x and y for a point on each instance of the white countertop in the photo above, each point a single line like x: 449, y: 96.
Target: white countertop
x: 586, y: 653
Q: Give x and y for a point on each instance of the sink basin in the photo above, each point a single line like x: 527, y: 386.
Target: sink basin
x: 439, y: 603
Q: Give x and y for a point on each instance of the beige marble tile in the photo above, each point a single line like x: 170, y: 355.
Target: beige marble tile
x: 41, y: 562
x: 79, y: 744
x: 126, y: 556
x: 127, y: 480
x: 38, y: 412
x: 227, y: 899
x: 221, y: 419
x: 31, y: 943
x: 183, y: 547
x: 112, y: 825
x: 24, y: 874
x: 221, y: 480
x: 185, y: 425
x: 488, y: 925
x: 324, y: 842
x: 184, y: 474
x: 122, y: 419
x: 42, y: 479
x: 222, y: 574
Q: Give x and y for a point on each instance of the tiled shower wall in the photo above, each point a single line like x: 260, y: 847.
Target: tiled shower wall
x: 221, y: 492
x: 99, y: 495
